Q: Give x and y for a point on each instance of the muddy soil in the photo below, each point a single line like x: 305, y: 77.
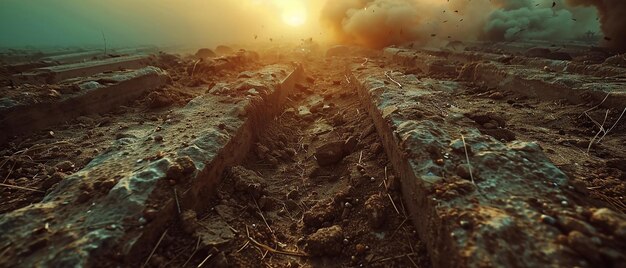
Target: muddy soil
x: 316, y: 190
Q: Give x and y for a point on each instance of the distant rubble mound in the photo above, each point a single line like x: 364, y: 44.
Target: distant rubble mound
x: 222, y: 50
x: 546, y: 53
x: 204, y: 53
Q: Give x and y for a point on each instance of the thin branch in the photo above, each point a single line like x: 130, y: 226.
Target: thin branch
x: 155, y: 248
x: 469, y: 165
x: 21, y: 188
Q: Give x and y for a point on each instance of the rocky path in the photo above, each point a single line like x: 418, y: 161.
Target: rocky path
x: 316, y: 190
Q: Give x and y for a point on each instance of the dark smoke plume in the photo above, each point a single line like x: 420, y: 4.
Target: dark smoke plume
x: 379, y: 23
x: 613, y: 19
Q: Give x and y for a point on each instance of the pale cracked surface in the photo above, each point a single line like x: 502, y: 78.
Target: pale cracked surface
x: 85, y: 214
x: 499, y: 211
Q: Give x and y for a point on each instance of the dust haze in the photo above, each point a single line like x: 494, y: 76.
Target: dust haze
x: 145, y: 22
x: 371, y: 23
x: 379, y: 23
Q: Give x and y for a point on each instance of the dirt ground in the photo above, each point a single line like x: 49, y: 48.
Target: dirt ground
x: 564, y: 131
x: 317, y: 189
x: 36, y: 162
x: 303, y: 206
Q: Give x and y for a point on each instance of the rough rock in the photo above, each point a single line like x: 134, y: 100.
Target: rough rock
x: 325, y: 241
x: 330, y: 153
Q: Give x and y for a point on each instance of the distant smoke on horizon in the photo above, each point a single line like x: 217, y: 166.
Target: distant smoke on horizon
x: 380, y: 23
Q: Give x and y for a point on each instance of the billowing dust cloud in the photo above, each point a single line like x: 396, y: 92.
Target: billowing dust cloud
x: 379, y: 23
x: 613, y: 19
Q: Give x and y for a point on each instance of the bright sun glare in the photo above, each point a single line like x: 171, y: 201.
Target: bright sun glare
x: 293, y: 18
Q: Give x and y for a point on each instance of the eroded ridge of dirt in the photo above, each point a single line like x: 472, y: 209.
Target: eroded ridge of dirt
x: 566, y: 126
x: 32, y: 164
x: 316, y: 190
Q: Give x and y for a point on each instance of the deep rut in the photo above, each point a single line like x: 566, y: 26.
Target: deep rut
x: 316, y: 190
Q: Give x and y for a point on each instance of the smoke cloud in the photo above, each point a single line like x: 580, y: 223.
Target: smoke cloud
x: 613, y: 19
x: 524, y: 20
x: 380, y: 23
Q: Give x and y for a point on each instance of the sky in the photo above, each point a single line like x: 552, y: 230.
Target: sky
x: 372, y: 23
x: 154, y: 22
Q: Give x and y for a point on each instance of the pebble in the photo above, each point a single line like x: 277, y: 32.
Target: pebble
x: 325, y: 241
x: 64, y: 166
x: 548, y: 219
x: 360, y: 248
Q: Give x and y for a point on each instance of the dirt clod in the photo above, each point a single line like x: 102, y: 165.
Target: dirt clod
x: 325, y: 241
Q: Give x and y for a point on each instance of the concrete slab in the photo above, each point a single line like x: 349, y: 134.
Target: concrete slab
x: 55, y: 74
x: 122, y: 202
x: 537, y: 78
x: 18, y: 116
x: 541, y: 84
x: 477, y: 202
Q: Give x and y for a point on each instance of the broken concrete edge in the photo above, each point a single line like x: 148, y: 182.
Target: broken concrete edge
x: 259, y: 115
x: 481, y: 224
x: 96, y: 98
x: 531, y: 82
x: 55, y: 74
x: 81, y: 223
x: 548, y: 85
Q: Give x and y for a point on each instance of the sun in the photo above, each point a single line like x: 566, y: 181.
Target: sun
x: 294, y: 18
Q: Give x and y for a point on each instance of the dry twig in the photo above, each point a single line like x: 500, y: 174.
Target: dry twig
x: 469, y: 165
x: 21, y: 188
x: 193, y: 253
x: 271, y: 250
x: 155, y: 248
x: 388, y: 75
x: 393, y: 203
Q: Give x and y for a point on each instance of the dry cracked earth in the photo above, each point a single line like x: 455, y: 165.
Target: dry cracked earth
x: 298, y: 156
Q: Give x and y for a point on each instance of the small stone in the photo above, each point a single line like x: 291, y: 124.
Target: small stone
x: 610, y: 221
x: 64, y: 166
x: 325, y: 241
x: 150, y: 214
x: 583, y: 245
x: 439, y: 162
x: 350, y: 144
x: 330, y: 153
x: 360, y: 248
x: 83, y: 197
x: 189, y: 221
x: 375, y: 208
x: 548, y: 219
x: 186, y: 164
x: 463, y: 170
x: 107, y: 184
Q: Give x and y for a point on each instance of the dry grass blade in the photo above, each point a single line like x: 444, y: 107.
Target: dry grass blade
x: 594, y: 107
x: 469, y: 165
x: 177, y: 203
x: 394, y: 204
x: 613, y: 126
x: 599, y: 131
x: 263, y: 217
x: 388, y: 75
x: 21, y: 188
x: 205, y: 260
x: 192, y: 253
x: 271, y: 250
x: 155, y: 248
